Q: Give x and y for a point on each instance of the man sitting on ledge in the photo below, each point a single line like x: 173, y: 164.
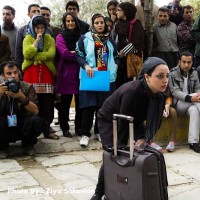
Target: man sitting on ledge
x: 185, y: 88
x: 18, y: 111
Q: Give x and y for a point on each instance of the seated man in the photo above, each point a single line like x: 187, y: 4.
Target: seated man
x: 185, y: 88
x: 18, y: 111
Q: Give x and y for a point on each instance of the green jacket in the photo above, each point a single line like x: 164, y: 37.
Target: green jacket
x: 32, y: 56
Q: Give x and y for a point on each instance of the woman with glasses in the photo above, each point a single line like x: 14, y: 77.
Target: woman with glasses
x: 129, y: 35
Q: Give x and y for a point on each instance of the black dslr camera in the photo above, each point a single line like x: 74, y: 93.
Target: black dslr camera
x: 12, y: 85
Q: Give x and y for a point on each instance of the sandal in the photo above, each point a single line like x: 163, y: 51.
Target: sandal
x: 52, y: 136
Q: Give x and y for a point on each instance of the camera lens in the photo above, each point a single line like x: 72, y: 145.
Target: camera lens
x: 14, y: 87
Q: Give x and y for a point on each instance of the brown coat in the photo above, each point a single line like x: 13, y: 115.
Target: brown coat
x: 5, y: 52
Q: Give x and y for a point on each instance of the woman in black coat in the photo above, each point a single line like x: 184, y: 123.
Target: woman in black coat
x: 142, y: 99
x: 128, y: 34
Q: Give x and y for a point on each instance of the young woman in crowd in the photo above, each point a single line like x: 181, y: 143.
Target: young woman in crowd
x: 95, y: 51
x: 112, y: 9
x: 128, y: 38
x: 39, y: 70
x: 68, y: 72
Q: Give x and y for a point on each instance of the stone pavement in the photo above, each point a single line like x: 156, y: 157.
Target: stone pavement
x: 62, y: 170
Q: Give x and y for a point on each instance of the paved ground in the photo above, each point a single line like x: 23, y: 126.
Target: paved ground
x: 62, y: 170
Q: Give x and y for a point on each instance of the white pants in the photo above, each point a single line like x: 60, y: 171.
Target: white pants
x: 193, y: 111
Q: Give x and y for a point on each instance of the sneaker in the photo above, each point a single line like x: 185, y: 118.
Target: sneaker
x: 98, y: 137
x: 171, y: 146
x: 156, y: 146
x: 84, y: 141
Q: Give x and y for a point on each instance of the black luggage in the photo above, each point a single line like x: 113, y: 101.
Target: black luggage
x: 132, y: 174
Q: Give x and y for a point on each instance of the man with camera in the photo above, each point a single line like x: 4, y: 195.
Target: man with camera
x: 18, y: 111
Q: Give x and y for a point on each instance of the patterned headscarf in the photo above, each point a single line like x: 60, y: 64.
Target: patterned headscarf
x: 100, y: 40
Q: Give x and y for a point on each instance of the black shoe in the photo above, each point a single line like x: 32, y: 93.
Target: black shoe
x: 96, y: 197
x: 4, y: 154
x: 195, y: 147
x: 28, y: 150
x: 67, y: 134
x: 78, y: 132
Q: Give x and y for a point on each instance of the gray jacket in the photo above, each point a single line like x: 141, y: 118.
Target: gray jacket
x: 176, y: 82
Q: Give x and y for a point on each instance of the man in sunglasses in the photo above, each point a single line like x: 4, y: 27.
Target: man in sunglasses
x: 73, y: 7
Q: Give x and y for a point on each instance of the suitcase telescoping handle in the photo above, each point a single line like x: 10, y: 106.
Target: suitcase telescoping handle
x: 131, y: 136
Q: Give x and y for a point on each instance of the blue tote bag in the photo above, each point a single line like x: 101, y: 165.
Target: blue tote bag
x: 99, y: 82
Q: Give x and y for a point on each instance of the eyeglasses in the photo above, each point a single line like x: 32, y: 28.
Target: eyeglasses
x: 45, y: 14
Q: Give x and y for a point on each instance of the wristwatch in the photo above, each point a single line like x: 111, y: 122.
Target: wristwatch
x: 25, y: 102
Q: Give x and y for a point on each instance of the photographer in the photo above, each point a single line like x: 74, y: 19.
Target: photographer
x: 18, y: 110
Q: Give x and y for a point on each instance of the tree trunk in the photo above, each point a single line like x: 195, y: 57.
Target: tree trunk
x: 148, y: 9
x: 132, y: 1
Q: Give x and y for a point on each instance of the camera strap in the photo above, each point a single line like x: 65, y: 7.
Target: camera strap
x: 11, y: 105
x: 12, y: 119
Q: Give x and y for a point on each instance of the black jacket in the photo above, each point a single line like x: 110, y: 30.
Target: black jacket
x: 130, y: 99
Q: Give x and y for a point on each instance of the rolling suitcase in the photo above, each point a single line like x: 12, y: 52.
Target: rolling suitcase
x: 132, y: 174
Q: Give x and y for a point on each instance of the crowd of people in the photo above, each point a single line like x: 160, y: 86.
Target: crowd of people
x: 50, y: 60
x: 41, y: 64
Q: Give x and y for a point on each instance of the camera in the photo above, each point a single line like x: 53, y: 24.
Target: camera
x: 12, y: 85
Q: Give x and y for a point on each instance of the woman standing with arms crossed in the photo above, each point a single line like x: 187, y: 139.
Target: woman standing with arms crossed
x: 95, y: 51
x: 68, y: 72
x: 138, y: 99
x: 39, y: 69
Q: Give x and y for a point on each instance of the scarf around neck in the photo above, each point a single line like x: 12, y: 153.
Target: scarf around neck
x: 154, y: 113
x: 101, y: 50
x: 71, y: 37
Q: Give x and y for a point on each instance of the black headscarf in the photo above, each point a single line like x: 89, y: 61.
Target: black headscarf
x: 129, y: 10
x: 122, y: 26
x: 149, y: 64
x: 156, y: 101
x: 71, y: 36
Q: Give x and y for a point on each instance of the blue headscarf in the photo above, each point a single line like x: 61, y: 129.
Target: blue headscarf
x: 36, y: 20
